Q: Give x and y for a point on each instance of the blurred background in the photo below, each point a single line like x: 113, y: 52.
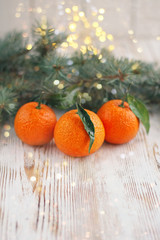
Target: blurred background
x: 127, y: 28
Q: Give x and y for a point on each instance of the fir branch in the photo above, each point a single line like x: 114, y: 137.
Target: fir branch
x: 95, y: 78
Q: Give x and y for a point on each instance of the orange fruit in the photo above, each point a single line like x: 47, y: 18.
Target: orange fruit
x: 120, y: 123
x: 71, y: 137
x: 35, y: 126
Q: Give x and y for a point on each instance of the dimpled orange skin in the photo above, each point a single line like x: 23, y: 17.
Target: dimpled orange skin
x: 71, y: 137
x: 35, y: 126
x: 121, y: 125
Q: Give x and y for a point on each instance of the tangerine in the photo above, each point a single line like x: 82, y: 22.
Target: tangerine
x: 71, y: 137
x: 120, y: 123
x: 33, y: 125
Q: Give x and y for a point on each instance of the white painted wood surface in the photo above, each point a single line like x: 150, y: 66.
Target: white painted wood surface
x: 112, y: 194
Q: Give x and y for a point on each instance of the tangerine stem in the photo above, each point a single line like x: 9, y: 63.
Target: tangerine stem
x: 39, y: 105
x: 122, y: 104
x: 40, y: 101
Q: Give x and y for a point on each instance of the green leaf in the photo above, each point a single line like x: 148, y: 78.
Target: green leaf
x: 88, y: 124
x: 139, y: 109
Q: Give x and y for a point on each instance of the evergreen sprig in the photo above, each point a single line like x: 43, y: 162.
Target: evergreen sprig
x: 24, y: 74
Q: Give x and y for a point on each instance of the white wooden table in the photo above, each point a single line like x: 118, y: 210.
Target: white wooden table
x: 113, y: 194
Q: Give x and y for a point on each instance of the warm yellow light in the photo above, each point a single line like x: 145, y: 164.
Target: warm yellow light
x: 68, y: 10
x: 75, y: 8
x: 29, y: 46
x: 139, y: 50
x: 53, y: 44
x: 38, y: 30
x: 17, y: 15
x: 43, y: 33
x: 100, y: 17
x: 99, y: 29
x: 87, y: 40
x: 100, y: 57
x: 102, y: 38
x: 64, y: 45
x: 39, y: 10
x: 98, y: 75
x: 94, y: 13
x: 6, y: 134
x: 103, y: 33
x: 76, y: 18
x: 158, y: 38
x: 33, y: 179
x: 110, y: 37
x: 72, y: 27
x: 95, y: 51
x: 101, y: 10
x: 81, y: 14
x: 135, y: 66
x: 130, y: 32
x: 51, y: 30
x: 61, y: 86
x: 56, y: 82
x: 111, y: 48
x: 98, y: 34
x: 99, y: 86
x: 95, y: 24
x: 86, y: 25
x: 72, y: 37
x: 83, y: 49
x: 134, y: 40
x: 74, y: 45
x: 44, y: 26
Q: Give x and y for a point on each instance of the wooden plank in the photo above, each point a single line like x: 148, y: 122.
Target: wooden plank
x: 112, y: 194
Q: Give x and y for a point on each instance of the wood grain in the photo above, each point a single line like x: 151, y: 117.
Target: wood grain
x: 113, y: 194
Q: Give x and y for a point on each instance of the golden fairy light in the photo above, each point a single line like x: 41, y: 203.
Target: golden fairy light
x: 76, y: 18
x: 83, y: 49
x: 100, y: 18
x: 94, y: 13
x: 29, y: 46
x: 68, y: 10
x: 110, y: 37
x: 111, y: 48
x: 64, y: 45
x: 17, y: 15
x: 135, y: 66
x: 56, y: 82
x: 100, y: 57
x: 75, y: 8
x: 87, y: 40
x: 33, y: 179
x: 72, y: 27
x: 101, y: 10
x: 95, y: 24
x: 6, y: 134
x: 102, y: 38
x: 130, y: 32
x: 134, y: 40
x: 39, y: 10
x: 99, y: 86
x: 98, y: 75
x: 61, y: 86
x: 81, y: 14
x: 139, y: 50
